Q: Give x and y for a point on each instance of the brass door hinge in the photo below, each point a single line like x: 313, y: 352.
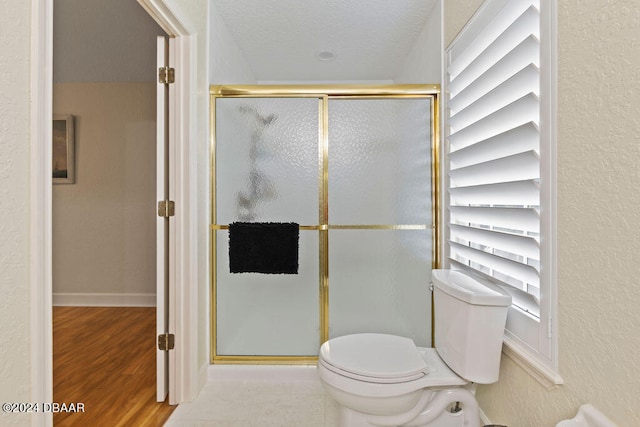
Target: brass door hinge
x: 166, y: 342
x: 166, y: 208
x: 166, y: 75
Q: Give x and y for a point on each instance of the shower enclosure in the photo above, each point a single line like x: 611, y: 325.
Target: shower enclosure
x: 356, y: 168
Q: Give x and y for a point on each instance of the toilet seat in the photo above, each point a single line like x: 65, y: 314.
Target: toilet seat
x: 336, y: 362
x: 369, y: 379
x: 375, y: 358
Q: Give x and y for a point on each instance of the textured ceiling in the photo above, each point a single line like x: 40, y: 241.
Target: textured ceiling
x: 281, y: 39
x: 103, y: 41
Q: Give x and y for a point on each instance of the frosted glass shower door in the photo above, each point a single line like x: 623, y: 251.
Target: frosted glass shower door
x: 380, y: 217
x: 267, y: 164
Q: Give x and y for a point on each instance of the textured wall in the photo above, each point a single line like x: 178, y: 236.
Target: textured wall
x: 456, y: 15
x: 15, y: 22
x: 104, y: 225
x: 598, y: 224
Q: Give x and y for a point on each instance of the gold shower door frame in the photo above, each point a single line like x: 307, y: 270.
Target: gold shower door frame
x: 323, y: 93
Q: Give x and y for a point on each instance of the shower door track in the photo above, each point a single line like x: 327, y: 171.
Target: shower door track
x: 323, y: 93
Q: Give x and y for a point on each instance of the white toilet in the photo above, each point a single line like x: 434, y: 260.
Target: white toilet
x: 385, y: 380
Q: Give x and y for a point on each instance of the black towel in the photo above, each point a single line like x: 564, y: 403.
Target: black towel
x: 263, y: 247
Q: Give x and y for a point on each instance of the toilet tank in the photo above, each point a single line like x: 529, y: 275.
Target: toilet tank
x: 469, y: 318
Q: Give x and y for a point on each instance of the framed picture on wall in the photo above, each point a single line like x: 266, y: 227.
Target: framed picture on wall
x: 63, y: 149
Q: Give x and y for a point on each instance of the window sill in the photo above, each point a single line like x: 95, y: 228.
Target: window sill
x: 532, y: 365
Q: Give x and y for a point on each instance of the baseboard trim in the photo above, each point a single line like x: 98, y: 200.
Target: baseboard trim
x: 483, y: 417
x: 203, y: 376
x: 104, y: 300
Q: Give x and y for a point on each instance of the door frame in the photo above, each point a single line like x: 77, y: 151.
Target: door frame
x: 186, y: 384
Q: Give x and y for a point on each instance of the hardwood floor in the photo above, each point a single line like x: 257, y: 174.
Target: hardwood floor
x: 105, y: 358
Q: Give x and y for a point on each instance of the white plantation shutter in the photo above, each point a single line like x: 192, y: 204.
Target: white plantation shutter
x: 494, y: 152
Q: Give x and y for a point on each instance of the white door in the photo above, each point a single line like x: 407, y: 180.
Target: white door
x: 165, y: 276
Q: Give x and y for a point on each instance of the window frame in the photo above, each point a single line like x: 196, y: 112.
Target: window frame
x: 540, y: 359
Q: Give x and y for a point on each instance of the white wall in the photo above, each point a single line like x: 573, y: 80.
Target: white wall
x: 15, y: 23
x: 598, y: 222
x: 424, y: 61
x: 227, y: 64
x: 104, y: 225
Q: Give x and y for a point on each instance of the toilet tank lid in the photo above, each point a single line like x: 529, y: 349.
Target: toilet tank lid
x: 468, y: 289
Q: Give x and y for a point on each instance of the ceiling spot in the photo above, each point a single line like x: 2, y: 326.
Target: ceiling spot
x: 326, y: 55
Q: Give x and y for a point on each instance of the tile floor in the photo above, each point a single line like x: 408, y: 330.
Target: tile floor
x: 252, y: 396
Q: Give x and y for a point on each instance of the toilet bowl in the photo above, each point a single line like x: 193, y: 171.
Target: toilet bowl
x: 587, y: 416
x: 386, y: 380
x: 391, y: 386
